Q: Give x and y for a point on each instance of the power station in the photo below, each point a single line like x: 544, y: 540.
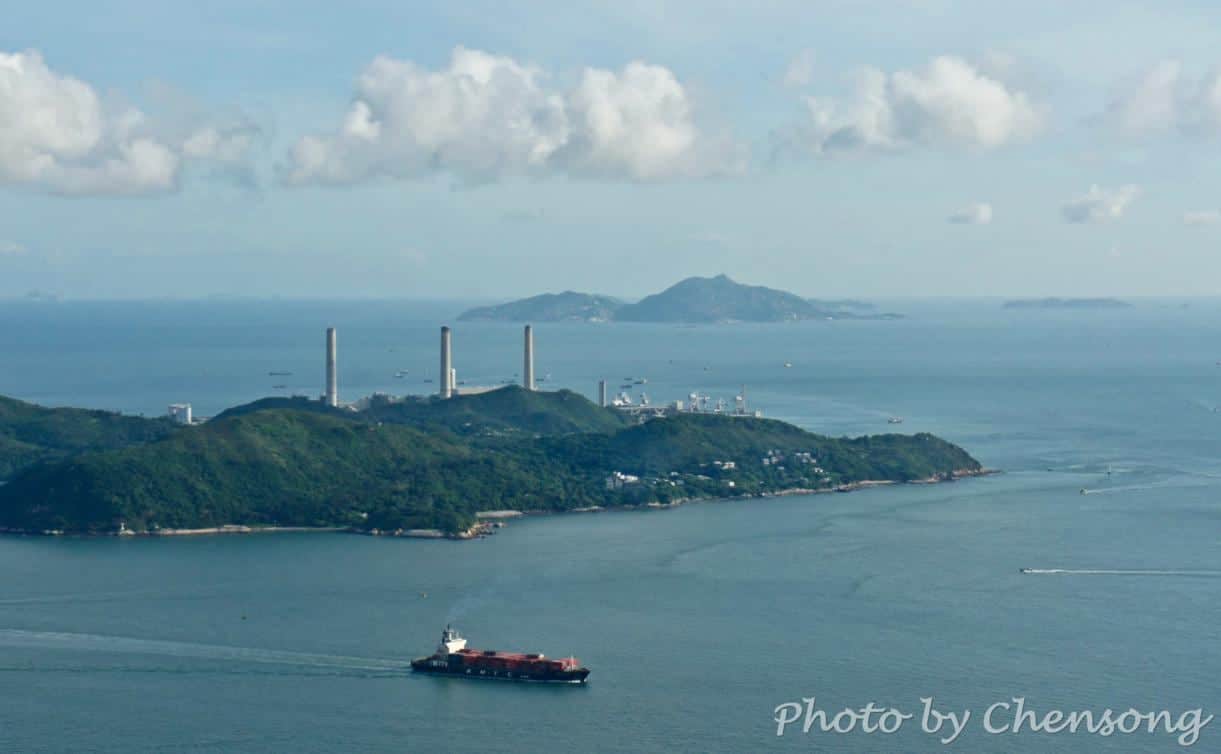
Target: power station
x: 527, y: 370
x: 447, y: 364
x: 449, y: 374
x: 331, y: 397
x: 639, y: 407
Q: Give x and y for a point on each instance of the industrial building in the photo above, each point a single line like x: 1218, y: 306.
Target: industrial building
x: 697, y: 403
x: 639, y: 407
x: 331, y: 397
x: 180, y: 413
x: 450, y: 386
x: 527, y: 372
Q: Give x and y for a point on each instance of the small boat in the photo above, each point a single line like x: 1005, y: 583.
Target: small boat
x: 279, y: 374
x: 400, y: 374
x: 279, y: 387
x: 895, y: 420
x: 788, y: 365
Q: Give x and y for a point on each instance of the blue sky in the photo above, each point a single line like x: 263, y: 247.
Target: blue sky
x: 478, y: 150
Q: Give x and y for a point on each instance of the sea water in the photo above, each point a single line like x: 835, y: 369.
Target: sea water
x: 698, y: 622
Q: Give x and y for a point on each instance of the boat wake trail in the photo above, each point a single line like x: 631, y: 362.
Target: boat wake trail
x: 1117, y: 572
x: 127, y: 645
x: 1129, y: 488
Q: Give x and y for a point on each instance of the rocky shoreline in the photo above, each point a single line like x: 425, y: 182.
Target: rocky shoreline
x: 489, y: 521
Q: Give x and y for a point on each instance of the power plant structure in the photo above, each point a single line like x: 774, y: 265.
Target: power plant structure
x: 450, y: 386
x: 639, y: 406
x: 527, y: 372
x: 447, y: 364
x: 697, y: 403
x: 331, y: 398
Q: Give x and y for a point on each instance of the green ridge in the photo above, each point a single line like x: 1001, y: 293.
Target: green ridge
x: 271, y: 464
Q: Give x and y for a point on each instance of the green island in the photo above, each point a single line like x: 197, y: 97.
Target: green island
x: 693, y: 300
x: 416, y: 464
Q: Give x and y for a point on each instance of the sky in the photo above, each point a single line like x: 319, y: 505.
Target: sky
x: 489, y: 150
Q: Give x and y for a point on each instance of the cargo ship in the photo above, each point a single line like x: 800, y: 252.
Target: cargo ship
x: 453, y: 657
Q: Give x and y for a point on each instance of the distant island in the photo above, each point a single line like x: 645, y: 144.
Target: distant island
x: 415, y: 464
x: 694, y: 300
x: 550, y: 307
x: 1067, y: 303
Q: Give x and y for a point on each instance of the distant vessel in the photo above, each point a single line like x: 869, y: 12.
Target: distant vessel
x: 895, y: 420
x: 453, y: 657
x: 400, y: 374
x: 788, y: 365
x: 279, y: 374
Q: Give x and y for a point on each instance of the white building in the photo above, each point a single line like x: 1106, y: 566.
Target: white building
x: 180, y: 413
x: 618, y: 479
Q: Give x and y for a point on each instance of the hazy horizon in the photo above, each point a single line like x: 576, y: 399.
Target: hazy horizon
x: 49, y: 297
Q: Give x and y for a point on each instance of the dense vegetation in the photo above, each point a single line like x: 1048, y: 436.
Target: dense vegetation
x: 510, y: 411
x: 30, y: 433
x: 696, y: 299
x: 411, y: 465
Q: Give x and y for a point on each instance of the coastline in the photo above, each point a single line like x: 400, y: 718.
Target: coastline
x: 848, y: 487
x: 203, y: 531
x: 488, y: 521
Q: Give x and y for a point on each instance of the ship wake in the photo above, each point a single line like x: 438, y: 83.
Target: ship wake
x: 127, y: 645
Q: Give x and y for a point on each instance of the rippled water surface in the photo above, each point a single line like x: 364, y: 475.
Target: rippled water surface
x: 697, y: 622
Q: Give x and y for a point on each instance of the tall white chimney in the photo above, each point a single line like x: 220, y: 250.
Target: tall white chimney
x: 332, y: 372
x: 602, y: 393
x: 528, y: 368
x: 447, y: 369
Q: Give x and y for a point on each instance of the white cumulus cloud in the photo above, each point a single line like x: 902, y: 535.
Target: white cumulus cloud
x: 973, y: 214
x: 1202, y: 217
x: 1099, y: 204
x: 949, y: 104
x: 1165, y: 98
x: 57, y: 133
x: 484, y: 116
